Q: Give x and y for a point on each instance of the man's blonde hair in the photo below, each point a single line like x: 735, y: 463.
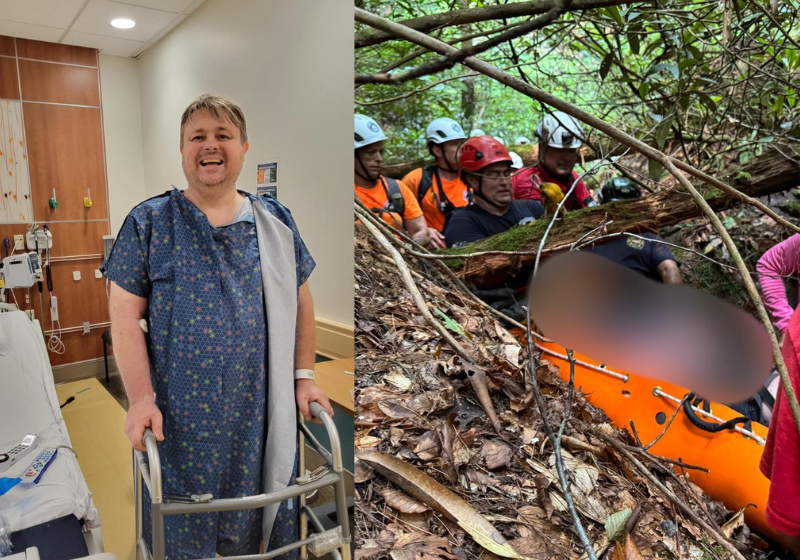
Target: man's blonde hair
x: 219, y: 107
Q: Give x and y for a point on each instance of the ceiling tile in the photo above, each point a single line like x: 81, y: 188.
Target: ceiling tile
x: 177, y: 6
x: 107, y: 45
x: 26, y: 31
x: 96, y: 19
x: 48, y: 13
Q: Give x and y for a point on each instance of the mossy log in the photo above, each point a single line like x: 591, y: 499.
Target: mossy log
x: 767, y: 174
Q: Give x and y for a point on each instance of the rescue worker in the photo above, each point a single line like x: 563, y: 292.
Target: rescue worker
x: 650, y: 258
x: 438, y: 188
x: 389, y: 198
x: 560, y: 137
x: 486, y: 169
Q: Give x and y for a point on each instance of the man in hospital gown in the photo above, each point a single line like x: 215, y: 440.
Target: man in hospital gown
x: 192, y: 264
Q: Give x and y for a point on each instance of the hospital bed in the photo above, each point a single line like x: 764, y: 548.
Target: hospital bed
x: 336, y: 541
x: 29, y: 405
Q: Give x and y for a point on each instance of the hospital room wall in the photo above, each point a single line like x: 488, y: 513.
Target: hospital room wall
x: 289, y: 65
x: 55, y: 90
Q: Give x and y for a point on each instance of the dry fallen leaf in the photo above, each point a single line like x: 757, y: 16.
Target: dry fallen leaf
x: 397, y: 379
x: 362, y: 472
x: 401, y: 502
x: 733, y: 523
x: 496, y: 454
x: 433, y: 494
x: 628, y: 551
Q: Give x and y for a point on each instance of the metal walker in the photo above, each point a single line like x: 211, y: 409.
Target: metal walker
x: 320, y: 542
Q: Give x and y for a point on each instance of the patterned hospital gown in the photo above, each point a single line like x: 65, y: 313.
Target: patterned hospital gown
x: 207, y: 348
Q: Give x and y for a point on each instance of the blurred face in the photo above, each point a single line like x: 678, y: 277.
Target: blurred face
x: 496, y: 186
x: 212, y: 152
x: 560, y: 161
x: 371, y: 158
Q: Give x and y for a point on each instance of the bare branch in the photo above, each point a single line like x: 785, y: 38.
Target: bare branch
x: 460, y: 17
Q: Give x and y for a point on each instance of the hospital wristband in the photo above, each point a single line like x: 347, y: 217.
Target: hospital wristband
x: 303, y: 374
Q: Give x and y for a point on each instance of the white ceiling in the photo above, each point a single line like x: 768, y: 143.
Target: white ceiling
x: 87, y: 23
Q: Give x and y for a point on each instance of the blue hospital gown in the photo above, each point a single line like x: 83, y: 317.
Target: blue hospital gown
x: 207, y: 348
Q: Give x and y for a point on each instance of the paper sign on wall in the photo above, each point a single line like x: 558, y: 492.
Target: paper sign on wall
x: 267, y: 179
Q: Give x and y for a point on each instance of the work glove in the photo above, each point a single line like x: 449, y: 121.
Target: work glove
x: 553, y: 195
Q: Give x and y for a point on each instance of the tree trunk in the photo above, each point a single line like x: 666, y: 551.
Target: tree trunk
x: 768, y: 174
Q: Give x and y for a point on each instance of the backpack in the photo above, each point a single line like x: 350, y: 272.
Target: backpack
x: 442, y: 202
x: 397, y: 203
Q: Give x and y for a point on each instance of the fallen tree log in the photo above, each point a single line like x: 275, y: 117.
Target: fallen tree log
x: 770, y: 173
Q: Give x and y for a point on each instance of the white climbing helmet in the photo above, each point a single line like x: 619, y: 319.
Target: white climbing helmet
x: 443, y: 130
x: 367, y: 131
x: 501, y: 140
x: 516, y: 161
x: 476, y: 132
x: 560, y: 130
x: 522, y: 141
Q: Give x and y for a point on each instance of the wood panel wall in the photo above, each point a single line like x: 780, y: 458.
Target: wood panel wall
x: 59, y: 87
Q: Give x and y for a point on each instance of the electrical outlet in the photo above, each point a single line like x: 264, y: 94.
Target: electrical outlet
x: 97, y: 273
x: 76, y: 275
x: 86, y: 327
x: 19, y: 242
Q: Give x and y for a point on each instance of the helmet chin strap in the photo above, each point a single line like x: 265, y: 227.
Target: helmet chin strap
x: 449, y: 167
x: 478, y: 192
x: 364, y: 175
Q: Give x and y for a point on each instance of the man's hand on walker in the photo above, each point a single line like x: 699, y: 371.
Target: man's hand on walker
x: 143, y: 415
x: 306, y: 391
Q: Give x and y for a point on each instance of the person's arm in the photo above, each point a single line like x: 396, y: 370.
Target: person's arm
x: 130, y: 351
x: 417, y: 228
x: 306, y: 390
x: 669, y: 272
x: 781, y: 260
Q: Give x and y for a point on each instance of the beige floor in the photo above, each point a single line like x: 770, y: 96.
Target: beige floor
x: 95, y: 421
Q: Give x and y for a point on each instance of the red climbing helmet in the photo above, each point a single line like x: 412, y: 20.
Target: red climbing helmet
x: 480, y: 151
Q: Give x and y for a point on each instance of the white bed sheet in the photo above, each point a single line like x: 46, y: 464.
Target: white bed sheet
x: 29, y: 405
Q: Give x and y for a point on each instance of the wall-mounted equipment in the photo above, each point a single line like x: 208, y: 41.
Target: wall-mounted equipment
x: 39, y: 239
x: 21, y: 271
x: 87, y: 201
x: 54, y: 201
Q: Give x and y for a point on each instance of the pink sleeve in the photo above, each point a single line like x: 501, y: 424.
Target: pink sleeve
x: 783, y: 259
x: 780, y: 462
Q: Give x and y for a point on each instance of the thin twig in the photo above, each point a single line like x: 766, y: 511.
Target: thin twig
x: 664, y: 431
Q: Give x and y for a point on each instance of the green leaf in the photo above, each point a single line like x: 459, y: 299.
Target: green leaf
x: 644, y: 89
x: 449, y: 323
x: 708, y: 101
x: 766, y: 139
x: 613, y: 11
x: 606, y: 65
x: 616, y: 525
x: 695, y: 52
x: 684, y: 102
x: 662, y: 132
x: 729, y: 222
x: 655, y: 170
x: 633, y: 42
x: 777, y: 109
